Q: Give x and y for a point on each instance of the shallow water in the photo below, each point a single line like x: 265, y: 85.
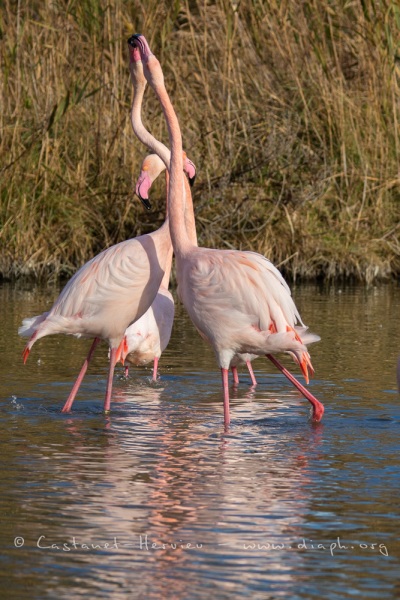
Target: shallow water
x: 275, y: 507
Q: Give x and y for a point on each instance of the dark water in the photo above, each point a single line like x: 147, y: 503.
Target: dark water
x: 175, y: 507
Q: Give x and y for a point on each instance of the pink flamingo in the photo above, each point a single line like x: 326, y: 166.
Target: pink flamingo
x: 238, y: 301
x: 147, y: 338
x: 139, y: 83
x: 106, y: 295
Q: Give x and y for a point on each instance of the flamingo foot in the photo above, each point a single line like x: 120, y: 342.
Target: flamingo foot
x: 318, y: 408
x: 318, y: 412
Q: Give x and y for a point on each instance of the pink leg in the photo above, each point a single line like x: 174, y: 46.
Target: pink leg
x: 250, y: 368
x: 318, y: 408
x: 155, y: 367
x: 126, y: 371
x: 74, y: 391
x: 224, y: 373
x: 235, y: 375
x: 107, y: 401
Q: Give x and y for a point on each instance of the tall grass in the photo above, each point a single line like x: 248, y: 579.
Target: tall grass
x: 290, y: 110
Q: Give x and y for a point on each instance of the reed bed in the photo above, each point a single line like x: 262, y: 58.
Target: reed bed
x: 290, y: 110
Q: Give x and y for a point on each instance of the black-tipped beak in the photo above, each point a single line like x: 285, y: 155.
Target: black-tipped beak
x: 145, y: 202
x: 192, y: 180
x: 133, y: 39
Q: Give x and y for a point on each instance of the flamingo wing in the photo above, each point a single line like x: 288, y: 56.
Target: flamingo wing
x: 107, y: 294
x: 236, y: 287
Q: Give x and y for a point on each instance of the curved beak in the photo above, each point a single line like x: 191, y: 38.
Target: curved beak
x: 144, y: 201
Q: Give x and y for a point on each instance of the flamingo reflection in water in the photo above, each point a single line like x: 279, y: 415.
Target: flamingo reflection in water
x: 179, y: 493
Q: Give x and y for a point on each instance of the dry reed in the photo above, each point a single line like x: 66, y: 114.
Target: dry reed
x: 289, y: 109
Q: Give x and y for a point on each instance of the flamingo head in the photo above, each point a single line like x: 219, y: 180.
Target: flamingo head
x: 136, y: 67
x: 151, y: 66
x: 138, y: 42
x: 152, y: 166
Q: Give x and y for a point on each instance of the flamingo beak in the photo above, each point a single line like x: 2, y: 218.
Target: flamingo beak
x: 142, y: 190
x: 133, y: 39
x: 145, y: 202
x: 190, y: 170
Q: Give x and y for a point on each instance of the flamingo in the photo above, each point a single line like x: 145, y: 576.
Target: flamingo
x: 108, y: 293
x: 139, y: 83
x: 238, y: 301
x: 147, y: 338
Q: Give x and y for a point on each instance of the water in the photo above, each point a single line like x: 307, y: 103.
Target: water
x: 156, y: 500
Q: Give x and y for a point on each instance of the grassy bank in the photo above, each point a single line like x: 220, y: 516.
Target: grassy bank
x: 289, y: 109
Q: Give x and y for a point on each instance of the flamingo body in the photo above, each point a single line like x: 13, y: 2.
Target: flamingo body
x: 241, y: 304
x: 108, y: 293
x: 104, y: 297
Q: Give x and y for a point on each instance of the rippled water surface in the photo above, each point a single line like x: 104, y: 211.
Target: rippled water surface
x: 156, y: 500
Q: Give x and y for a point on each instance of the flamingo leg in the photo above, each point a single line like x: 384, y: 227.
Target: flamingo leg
x: 74, y: 391
x: 113, y: 360
x: 235, y: 375
x: 251, y: 372
x: 225, y: 386
x: 318, y: 408
x: 155, y: 367
x: 126, y: 371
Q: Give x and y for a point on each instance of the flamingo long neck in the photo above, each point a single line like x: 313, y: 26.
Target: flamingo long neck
x: 179, y: 235
x: 168, y: 264
x: 189, y: 214
x: 158, y: 147
x: 139, y: 129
